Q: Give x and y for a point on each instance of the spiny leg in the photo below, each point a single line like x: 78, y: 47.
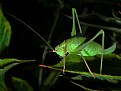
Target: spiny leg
x: 103, y: 35
x: 78, y: 21
x: 73, y: 33
x: 87, y: 66
x: 79, y: 48
x: 100, y: 32
x: 64, y: 59
x: 74, y: 14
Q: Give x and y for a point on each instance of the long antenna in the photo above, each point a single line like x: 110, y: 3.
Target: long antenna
x: 32, y: 30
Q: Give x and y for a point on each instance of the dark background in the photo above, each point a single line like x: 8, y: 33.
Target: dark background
x: 40, y: 15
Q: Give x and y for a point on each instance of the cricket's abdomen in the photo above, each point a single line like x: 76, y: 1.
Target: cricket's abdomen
x: 92, y: 49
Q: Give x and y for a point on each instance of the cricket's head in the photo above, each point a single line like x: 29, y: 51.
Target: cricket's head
x: 60, y: 50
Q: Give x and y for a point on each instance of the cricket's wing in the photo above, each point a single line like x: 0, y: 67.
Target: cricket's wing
x: 110, y: 49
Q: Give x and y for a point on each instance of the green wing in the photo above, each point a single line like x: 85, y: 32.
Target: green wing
x: 93, y: 48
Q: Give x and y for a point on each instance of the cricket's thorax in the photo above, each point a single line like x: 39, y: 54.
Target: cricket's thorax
x: 69, y: 45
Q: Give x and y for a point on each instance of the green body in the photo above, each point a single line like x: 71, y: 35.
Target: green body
x: 92, y: 49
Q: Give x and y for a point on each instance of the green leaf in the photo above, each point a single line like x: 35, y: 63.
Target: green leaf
x: 109, y: 78
x: 21, y: 85
x: 106, y: 82
x: 49, y: 81
x: 5, y: 32
x: 5, y: 65
x: 111, y: 70
x: 74, y: 62
x: 111, y: 66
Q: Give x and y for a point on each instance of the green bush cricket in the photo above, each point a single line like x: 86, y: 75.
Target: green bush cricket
x: 78, y: 45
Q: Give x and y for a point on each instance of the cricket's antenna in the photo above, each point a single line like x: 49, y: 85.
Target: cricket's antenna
x: 32, y: 30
